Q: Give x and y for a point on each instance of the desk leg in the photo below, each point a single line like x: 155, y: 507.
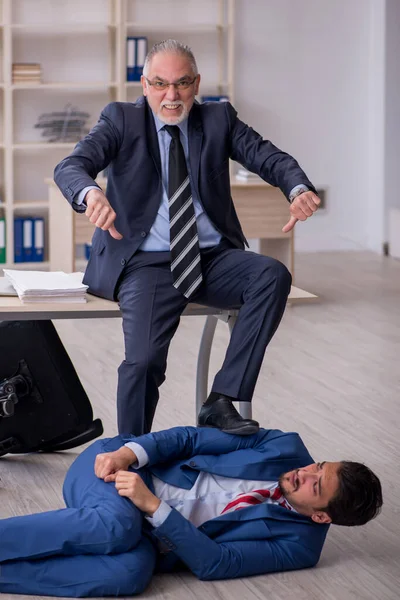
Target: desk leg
x: 203, y: 361
x: 203, y: 365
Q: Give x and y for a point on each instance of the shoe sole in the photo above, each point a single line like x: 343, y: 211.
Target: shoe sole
x: 246, y: 430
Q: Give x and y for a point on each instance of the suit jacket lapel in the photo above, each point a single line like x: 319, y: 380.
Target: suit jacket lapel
x: 152, y: 139
x: 265, y: 510
x: 270, y: 514
x: 195, y: 136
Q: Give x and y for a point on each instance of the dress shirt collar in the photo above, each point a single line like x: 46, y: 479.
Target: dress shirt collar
x: 182, y: 126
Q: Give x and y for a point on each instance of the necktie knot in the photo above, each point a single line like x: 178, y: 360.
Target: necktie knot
x: 173, y: 131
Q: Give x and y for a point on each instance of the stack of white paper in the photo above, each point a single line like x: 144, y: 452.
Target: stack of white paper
x: 43, y: 286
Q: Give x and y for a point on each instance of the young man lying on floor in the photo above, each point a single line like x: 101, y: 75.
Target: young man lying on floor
x: 223, y: 505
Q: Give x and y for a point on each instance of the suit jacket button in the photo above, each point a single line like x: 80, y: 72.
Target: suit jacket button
x: 123, y: 262
x: 192, y: 463
x: 143, y: 234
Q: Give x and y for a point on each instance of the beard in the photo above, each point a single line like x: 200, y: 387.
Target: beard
x: 283, y: 484
x: 172, y: 120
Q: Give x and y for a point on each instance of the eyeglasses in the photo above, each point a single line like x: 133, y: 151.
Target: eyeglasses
x: 161, y: 86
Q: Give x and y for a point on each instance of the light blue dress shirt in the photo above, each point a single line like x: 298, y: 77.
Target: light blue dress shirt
x: 158, y: 238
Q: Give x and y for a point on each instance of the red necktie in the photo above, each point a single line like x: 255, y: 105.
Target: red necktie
x: 256, y: 497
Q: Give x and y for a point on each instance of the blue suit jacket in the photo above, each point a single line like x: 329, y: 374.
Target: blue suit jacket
x: 125, y: 141
x: 254, y: 540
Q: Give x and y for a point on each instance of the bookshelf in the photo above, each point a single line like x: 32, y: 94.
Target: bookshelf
x: 81, y: 49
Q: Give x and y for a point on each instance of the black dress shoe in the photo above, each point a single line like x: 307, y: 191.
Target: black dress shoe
x: 221, y: 414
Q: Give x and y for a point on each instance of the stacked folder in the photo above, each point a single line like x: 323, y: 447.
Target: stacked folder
x: 28, y: 239
x: 2, y: 239
x: 53, y: 286
x: 136, y: 50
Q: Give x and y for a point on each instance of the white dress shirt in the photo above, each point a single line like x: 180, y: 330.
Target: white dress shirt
x: 205, y: 500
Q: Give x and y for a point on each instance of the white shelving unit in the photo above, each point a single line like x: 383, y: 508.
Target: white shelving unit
x: 81, y: 47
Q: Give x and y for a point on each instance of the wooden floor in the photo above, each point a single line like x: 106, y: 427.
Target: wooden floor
x: 332, y: 373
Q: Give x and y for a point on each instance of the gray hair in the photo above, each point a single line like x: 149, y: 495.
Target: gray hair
x: 170, y: 46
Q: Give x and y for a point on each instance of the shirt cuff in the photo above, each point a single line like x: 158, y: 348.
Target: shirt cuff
x: 81, y: 196
x: 141, y: 455
x: 160, y: 515
x: 297, y: 190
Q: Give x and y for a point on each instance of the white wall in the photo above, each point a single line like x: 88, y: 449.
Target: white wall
x: 392, y: 104
x: 310, y: 77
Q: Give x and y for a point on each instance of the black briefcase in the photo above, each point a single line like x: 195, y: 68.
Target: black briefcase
x: 43, y: 405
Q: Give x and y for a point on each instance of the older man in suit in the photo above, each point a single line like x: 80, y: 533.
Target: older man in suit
x: 167, y: 232
x: 222, y: 505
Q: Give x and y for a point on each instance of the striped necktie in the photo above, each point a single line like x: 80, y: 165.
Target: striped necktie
x: 256, y: 497
x: 184, y: 241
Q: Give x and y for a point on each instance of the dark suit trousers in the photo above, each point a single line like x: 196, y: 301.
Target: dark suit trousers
x: 151, y: 309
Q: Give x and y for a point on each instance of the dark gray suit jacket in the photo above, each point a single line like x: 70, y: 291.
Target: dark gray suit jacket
x: 125, y: 141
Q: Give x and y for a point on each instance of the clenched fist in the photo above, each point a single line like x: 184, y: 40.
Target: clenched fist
x: 302, y: 207
x: 100, y: 212
x: 132, y: 486
x: 108, y: 463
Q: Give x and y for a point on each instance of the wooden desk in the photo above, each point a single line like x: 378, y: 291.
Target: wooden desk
x: 263, y: 210
x: 12, y: 309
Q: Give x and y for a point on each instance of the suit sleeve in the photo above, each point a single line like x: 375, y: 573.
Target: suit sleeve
x: 184, y: 442
x: 91, y: 155
x: 210, y: 560
x: 263, y: 158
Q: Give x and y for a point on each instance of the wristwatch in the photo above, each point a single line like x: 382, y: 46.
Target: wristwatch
x: 296, y: 191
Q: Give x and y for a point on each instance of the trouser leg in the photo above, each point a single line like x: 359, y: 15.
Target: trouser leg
x: 258, y: 284
x: 151, y: 309
x: 123, y: 574
x: 97, y: 519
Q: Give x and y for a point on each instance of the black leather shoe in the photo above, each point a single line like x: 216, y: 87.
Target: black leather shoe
x: 221, y: 414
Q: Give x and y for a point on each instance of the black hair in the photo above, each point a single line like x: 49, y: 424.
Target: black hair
x: 359, y: 497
